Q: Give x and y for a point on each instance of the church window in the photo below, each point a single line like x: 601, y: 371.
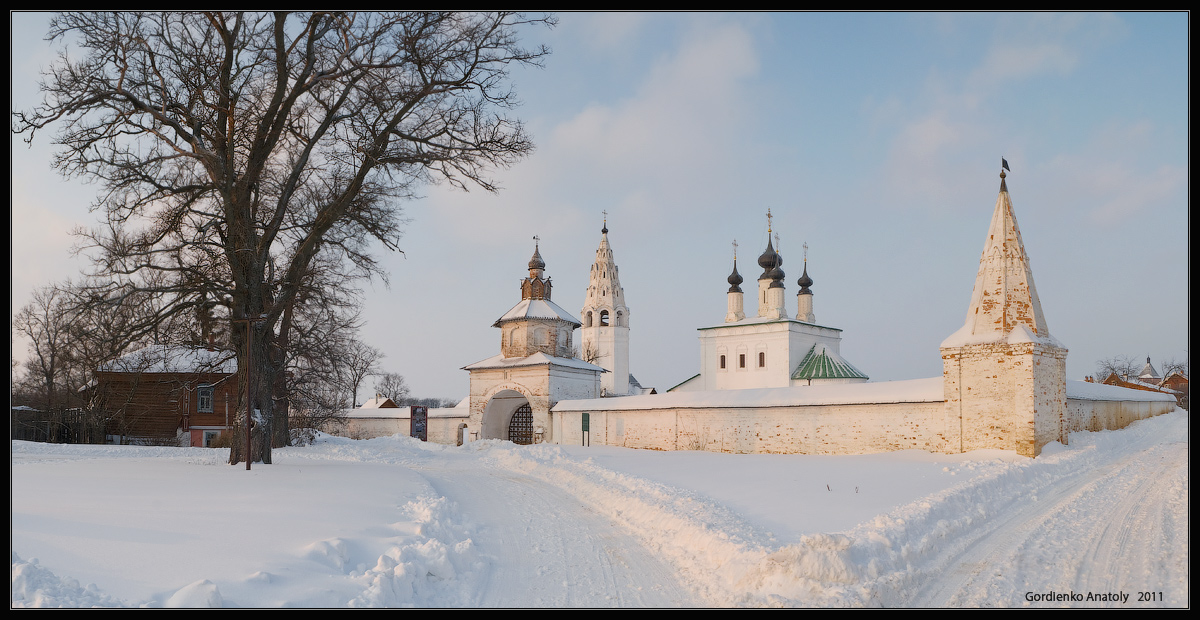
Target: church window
x: 722, y: 362
x: 604, y: 318
x: 619, y: 317
x: 762, y: 359
x: 587, y: 319
x: 741, y: 360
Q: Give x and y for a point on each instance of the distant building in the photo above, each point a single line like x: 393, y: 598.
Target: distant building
x: 164, y: 394
x: 1148, y: 379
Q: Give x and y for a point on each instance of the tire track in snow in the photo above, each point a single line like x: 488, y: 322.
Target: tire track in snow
x: 1079, y: 535
x: 1132, y: 537
x: 550, y: 549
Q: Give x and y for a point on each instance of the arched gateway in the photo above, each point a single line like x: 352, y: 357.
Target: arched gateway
x: 507, y: 414
x: 512, y: 393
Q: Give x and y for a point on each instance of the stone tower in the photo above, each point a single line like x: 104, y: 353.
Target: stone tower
x: 1004, y: 374
x: 604, y: 338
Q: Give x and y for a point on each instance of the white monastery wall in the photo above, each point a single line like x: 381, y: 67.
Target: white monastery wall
x: 442, y: 426
x: 922, y: 421
x: 804, y: 429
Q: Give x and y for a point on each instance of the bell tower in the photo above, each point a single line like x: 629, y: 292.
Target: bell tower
x: 604, y: 337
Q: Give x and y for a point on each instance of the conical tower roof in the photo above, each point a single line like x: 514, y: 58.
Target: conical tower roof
x: 1004, y: 298
x: 604, y: 286
x: 1148, y: 371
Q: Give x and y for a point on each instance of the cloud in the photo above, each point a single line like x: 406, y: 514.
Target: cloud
x: 1009, y: 62
x: 686, y: 103
x: 612, y: 32
x: 663, y: 142
x: 960, y: 119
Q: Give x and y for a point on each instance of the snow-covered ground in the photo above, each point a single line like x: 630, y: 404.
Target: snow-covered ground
x: 394, y: 522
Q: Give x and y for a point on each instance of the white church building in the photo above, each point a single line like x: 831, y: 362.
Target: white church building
x: 772, y: 383
x: 770, y: 349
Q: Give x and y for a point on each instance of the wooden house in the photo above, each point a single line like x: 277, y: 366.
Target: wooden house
x: 169, y: 395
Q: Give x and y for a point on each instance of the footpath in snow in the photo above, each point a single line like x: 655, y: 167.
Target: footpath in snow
x: 394, y: 522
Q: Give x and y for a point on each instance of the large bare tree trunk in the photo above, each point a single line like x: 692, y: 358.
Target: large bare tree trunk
x: 261, y: 381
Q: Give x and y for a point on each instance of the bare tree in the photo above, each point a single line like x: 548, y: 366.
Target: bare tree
x: 46, y: 323
x: 234, y: 147
x: 359, y: 362
x: 392, y: 385
x: 1124, y: 366
x: 1174, y: 366
x: 591, y: 353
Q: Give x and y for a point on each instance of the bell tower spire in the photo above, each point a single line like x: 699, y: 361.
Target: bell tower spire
x: 604, y: 337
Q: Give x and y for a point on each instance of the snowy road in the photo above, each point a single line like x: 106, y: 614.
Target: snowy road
x: 391, y: 522
x: 1098, y: 530
x: 551, y: 549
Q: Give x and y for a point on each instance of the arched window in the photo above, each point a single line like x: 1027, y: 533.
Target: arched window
x: 620, y: 319
x: 722, y: 362
x: 587, y: 319
x: 762, y: 359
x: 604, y: 318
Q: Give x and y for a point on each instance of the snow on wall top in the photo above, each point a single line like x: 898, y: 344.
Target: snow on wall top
x: 911, y: 391
x: 1084, y: 390
x: 161, y: 358
x: 404, y: 413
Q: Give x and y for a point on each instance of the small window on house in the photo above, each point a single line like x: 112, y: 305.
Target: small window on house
x: 741, y: 360
x: 204, y: 399
x: 604, y: 318
x: 762, y: 359
x: 722, y: 362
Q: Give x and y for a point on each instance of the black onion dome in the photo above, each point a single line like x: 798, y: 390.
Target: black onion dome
x: 735, y: 279
x: 536, y: 262
x: 768, y: 259
x: 776, y: 274
x: 805, y: 281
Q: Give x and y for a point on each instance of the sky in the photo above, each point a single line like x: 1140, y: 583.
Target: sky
x: 875, y: 139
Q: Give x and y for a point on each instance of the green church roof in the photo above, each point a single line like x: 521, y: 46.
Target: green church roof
x: 822, y: 363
